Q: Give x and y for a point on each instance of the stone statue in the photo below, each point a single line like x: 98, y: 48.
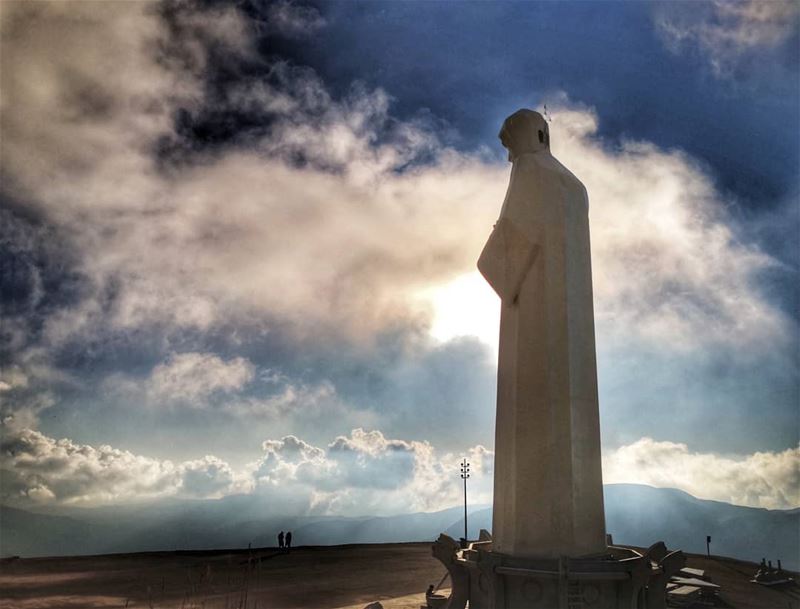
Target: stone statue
x: 548, y: 547
x: 548, y: 490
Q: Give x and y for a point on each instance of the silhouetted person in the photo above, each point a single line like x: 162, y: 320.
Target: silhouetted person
x: 288, y: 541
x: 280, y: 540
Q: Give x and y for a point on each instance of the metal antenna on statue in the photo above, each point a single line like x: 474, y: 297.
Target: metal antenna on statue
x: 464, y: 476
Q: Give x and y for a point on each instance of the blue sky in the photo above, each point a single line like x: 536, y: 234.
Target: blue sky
x: 229, y: 225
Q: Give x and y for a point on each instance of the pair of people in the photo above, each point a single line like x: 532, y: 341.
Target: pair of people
x: 285, y: 541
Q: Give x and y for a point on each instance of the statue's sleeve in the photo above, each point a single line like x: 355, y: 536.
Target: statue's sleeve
x: 506, y: 259
x: 512, y: 248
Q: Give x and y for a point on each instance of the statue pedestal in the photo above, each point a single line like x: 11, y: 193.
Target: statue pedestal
x: 620, y: 578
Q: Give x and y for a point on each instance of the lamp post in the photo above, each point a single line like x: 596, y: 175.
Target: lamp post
x: 464, y: 476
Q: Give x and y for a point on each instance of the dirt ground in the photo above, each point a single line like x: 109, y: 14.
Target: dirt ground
x: 310, y: 577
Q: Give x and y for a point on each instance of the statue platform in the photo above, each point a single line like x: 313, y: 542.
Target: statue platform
x: 620, y: 578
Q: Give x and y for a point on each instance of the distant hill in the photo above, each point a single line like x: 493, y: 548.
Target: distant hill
x: 635, y: 515
x: 638, y: 515
x: 28, y: 534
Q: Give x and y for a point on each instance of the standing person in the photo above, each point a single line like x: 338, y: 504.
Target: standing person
x: 280, y: 540
x: 288, y: 541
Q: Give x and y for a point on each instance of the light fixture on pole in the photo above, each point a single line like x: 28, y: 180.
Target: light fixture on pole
x: 464, y: 476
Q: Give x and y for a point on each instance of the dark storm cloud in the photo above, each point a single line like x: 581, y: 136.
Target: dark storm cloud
x: 40, y: 273
x: 40, y: 278
x: 734, y: 37
x: 473, y: 65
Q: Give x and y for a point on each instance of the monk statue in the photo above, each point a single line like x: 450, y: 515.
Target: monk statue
x: 548, y: 489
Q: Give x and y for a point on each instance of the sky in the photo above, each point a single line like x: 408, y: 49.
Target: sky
x: 238, y: 244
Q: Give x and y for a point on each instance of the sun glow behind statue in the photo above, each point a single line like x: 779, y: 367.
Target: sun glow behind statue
x: 464, y: 306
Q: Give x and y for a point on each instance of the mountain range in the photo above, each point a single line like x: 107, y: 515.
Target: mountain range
x: 635, y: 515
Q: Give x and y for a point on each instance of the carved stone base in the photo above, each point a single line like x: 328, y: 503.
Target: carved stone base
x: 622, y: 578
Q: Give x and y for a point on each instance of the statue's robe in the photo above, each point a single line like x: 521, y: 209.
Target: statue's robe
x: 548, y: 491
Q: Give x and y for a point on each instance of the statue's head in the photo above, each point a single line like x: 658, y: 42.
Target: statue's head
x: 525, y: 131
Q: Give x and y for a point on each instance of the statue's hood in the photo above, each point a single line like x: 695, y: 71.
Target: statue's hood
x: 525, y: 131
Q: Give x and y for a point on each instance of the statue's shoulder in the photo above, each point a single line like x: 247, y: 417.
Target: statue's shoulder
x: 542, y: 162
x: 534, y: 166
x: 568, y: 178
x: 542, y: 165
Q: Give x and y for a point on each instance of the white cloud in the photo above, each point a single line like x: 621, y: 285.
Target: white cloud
x: 667, y: 265
x: 725, y: 31
x: 205, y: 381
x: 12, y: 377
x: 206, y: 477
x: 40, y: 469
x: 193, y: 377
x: 290, y: 398
x: 292, y: 20
x: 763, y: 479
x: 344, y: 242
x: 88, y: 68
x: 244, y: 237
x: 21, y: 396
x: 367, y: 473
x: 363, y: 473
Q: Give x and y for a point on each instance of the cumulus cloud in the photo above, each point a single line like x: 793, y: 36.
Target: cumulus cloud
x: 367, y: 473
x: 726, y: 31
x: 192, y: 377
x: 763, y: 479
x: 364, y: 473
x: 206, y: 477
x: 37, y: 469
